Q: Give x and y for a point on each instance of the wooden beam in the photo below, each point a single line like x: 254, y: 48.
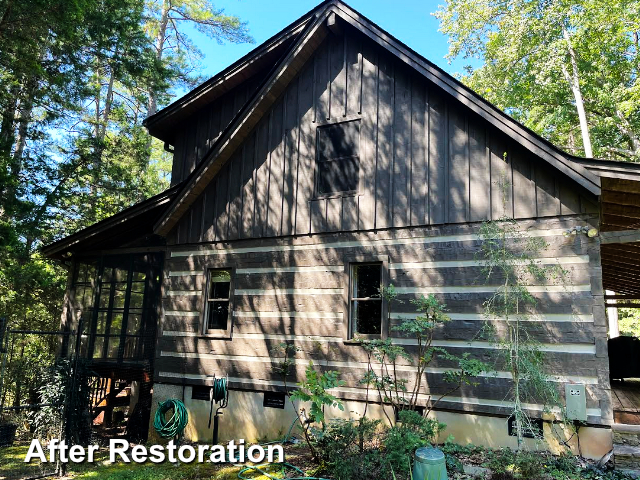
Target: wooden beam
x: 333, y: 24
x: 625, y: 250
x: 629, y: 211
x: 622, y: 278
x: 623, y: 236
x: 621, y: 222
x: 620, y: 198
x: 623, y: 305
x: 622, y: 288
x: 620, y: 265
x: 622, y: 297
x: 624, y: 258
x: 621, y: 185
x: 625, y: 277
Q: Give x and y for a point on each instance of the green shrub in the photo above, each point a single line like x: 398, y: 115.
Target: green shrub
x: 55, y: 393
x: 506, y: 464
x: 349, y: 450
x: 359, y: 450
x: 411, y: 432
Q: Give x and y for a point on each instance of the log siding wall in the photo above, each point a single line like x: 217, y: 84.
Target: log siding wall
x: 291, y: 289
x: 424, y: 158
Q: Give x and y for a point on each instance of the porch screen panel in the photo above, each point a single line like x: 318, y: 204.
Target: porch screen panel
x: 111, y: 308
x: 133, y: 334
x: 113, y: 295
x: 82, y: 302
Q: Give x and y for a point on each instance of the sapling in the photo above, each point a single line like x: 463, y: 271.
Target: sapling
x: 313, y: 389
x: 391, y: 387
x: 509, y: 256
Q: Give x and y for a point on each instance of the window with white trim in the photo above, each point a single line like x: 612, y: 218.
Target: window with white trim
x: 218, y: 301
x: 365, y: 299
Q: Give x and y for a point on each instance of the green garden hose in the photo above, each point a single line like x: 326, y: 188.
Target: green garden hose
x: 176, y: 424
x: 283, y: 468
x: 283, y: 465
x: 219, y: 389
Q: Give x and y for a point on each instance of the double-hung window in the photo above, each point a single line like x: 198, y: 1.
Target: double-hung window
x: 366, y: 305
x: 217, y: 309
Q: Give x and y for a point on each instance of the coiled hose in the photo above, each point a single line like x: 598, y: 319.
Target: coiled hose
x: 283, y: 467
x: 219, y: 389
x: 176, y: 424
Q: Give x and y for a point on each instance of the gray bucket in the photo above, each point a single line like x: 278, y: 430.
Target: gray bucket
x: 429, y: 464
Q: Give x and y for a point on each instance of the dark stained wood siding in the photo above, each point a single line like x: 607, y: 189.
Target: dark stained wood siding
x: 288, y: 289
x: 196, y: 135
x: 424, y: 158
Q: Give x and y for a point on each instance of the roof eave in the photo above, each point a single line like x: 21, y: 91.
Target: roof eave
x: 67, y: 243
x: 611, y: 168
x: 231, y: 75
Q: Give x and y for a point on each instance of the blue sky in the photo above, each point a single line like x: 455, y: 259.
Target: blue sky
x: 411, y: 21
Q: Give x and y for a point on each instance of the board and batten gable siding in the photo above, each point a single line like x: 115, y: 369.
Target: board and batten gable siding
x: 424, y: 158
x: 293, y: 289
x: 196, y: 135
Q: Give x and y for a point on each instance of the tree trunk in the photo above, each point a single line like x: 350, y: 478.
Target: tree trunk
x: 152, y: 106
x: 573, y: 78
x: 95, y: 173
x: 108, y: 102
x: 24, y: 119
x: 7, y: 140
x: 17, y: 399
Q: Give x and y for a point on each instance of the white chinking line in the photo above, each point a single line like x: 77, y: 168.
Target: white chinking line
x: 577, y: 259
x: 588, y: 380
x: 476, y: 317
x: 480, y: 317
x: 354, y: 243
x: 594, y: 412
x: 577, y: 348
x: 401, y: 290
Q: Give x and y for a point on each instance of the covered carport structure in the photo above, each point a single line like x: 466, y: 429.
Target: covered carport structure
x: 619, y: 228
x: 620, y: 261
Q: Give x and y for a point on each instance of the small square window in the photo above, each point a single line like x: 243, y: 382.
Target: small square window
x: 338, y: 158
x: 366, y: 299
x: 217, y: 308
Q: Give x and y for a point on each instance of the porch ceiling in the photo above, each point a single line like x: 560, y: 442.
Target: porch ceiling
x: 620, y: 236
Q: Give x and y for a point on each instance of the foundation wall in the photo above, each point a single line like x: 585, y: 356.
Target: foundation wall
x: 246, y: 418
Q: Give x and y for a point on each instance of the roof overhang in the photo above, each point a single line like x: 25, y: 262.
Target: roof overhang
x: 611, y: 169
x: 264, y: 57
x: 120, y: 229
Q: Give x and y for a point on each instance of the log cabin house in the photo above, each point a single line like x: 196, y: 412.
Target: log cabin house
x: 329, y: 159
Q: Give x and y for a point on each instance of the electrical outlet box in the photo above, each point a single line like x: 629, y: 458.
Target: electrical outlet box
x: 576, y: 399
